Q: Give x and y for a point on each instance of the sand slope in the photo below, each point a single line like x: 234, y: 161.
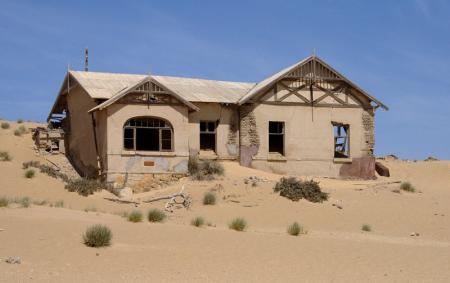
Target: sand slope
x: 48, y: 239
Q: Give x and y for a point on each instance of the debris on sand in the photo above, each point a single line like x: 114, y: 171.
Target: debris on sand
x: 13, y: 260
x: 254, y: 180
x: 414, y: 234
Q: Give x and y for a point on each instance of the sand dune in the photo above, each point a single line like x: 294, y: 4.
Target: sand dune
x: 48, y: 239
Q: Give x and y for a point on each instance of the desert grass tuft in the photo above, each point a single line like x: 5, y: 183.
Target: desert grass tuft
x: 156, y: 215
x: 24, y: 202
x: 209, y: 198
x: 29, y: 173
x: 5, y: 125
x: 135, y: 216
x: 198, y: 221
x: 19, y: 121
x: 238, y: 224
x: 4, y: 156
x: 366, y: 228
x: 407, y: 187
x: 59, y: 203
x: 40, y: 202
x: 296, y: 229
x: 97, y: 236
x: 4, y: 201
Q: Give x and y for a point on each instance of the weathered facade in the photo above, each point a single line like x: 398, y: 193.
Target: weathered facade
x: 307, y: 119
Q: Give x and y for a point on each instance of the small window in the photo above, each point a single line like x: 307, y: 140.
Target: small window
x: 341, y: 140
x: 147, y: 133
x: 208, y: 135
x: 276, y: 137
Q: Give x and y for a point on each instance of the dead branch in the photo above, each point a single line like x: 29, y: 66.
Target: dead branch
x: 177, y: 198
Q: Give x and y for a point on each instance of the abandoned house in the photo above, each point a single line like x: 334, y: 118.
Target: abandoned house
x: 307, y: 119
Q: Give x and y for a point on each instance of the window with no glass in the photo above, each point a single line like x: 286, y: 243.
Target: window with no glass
x: 208, y: 135
x: 147, y: 133
x: 276, y: 137
x: 341, y: 140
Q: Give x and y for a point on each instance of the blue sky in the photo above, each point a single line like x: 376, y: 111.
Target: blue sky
x: 398, y: 51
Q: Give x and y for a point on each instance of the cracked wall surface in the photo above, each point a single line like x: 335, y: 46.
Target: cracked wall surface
x: 249, y: 138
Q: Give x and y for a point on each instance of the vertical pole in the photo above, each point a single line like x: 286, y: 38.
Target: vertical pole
x: 86, y: 60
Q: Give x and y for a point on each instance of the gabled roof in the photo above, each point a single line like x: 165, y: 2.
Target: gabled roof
x: 127, y: 90
x: 267, y: 83
x: 106, y: 85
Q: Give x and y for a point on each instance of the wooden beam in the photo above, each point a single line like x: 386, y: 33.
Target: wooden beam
x: 331, y: 94
x: 293, y: 91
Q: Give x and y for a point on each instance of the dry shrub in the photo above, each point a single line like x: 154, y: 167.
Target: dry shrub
x: 238, y: 224
x: 20, y: 131
x: 295, y: 190
x: 29, y: 173
x: 19, y: 121
x: 97, y: 236
x: 135, y: 216
x: 156, y: 215
x: 408, y: 187
x: 366, y: 228
x: 198, y: 221
x: 209, y: 198
x: 84, y: 186
x: 295, y: 229
x: 204, y: 169
x: 4, y: 201
x: 5, y: 125
x: 4, y: 156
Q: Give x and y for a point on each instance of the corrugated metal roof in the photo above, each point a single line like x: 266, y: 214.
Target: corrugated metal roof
x: 106, y: 85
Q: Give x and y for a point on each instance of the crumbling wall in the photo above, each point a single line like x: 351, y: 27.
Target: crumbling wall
x: 249, y: 138
x: 368, y: 132
x: 233, y: 135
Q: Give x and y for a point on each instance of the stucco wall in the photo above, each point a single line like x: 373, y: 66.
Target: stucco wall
x: 227, y: 132
x: 80, y: 140
x: 121, y: 161
x: 309, y: 138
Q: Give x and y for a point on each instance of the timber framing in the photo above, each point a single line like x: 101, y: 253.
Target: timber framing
x: 315, y: 74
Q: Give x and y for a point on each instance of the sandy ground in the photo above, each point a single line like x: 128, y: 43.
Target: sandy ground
x: 48, y: 239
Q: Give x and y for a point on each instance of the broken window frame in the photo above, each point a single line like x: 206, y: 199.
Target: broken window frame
x: 209, y: 129
x: 155, y: 123
x: 341, y: 131
x: 280, y: 131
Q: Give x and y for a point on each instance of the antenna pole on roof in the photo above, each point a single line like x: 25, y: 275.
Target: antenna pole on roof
x: 86, y: 59
x: 314, y: 52
x: 68, y: 78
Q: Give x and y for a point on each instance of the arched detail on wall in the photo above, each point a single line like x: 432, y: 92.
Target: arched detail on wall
x: 148, y: 133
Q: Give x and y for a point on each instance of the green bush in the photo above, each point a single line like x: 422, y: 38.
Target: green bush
x: 156, y: 215
x: 209, y: 198
x: 5, y: 125
x: 295, y: 229
x: 295, y: 190
x: 135, y: 216
x: 408, y: 187
x: 4, y: 201
x: 366, y: 227
x: 238, y: 224
x: 198, y: 221
x: 97, y: 236
x: 4, y: 156
x: 29, y: 173
x: 85, y: 186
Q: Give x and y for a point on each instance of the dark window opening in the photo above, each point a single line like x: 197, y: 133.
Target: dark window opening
x: 341, y: 140
x: 208, y: 135
x: 276, y: 137
x: 148, y: 134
